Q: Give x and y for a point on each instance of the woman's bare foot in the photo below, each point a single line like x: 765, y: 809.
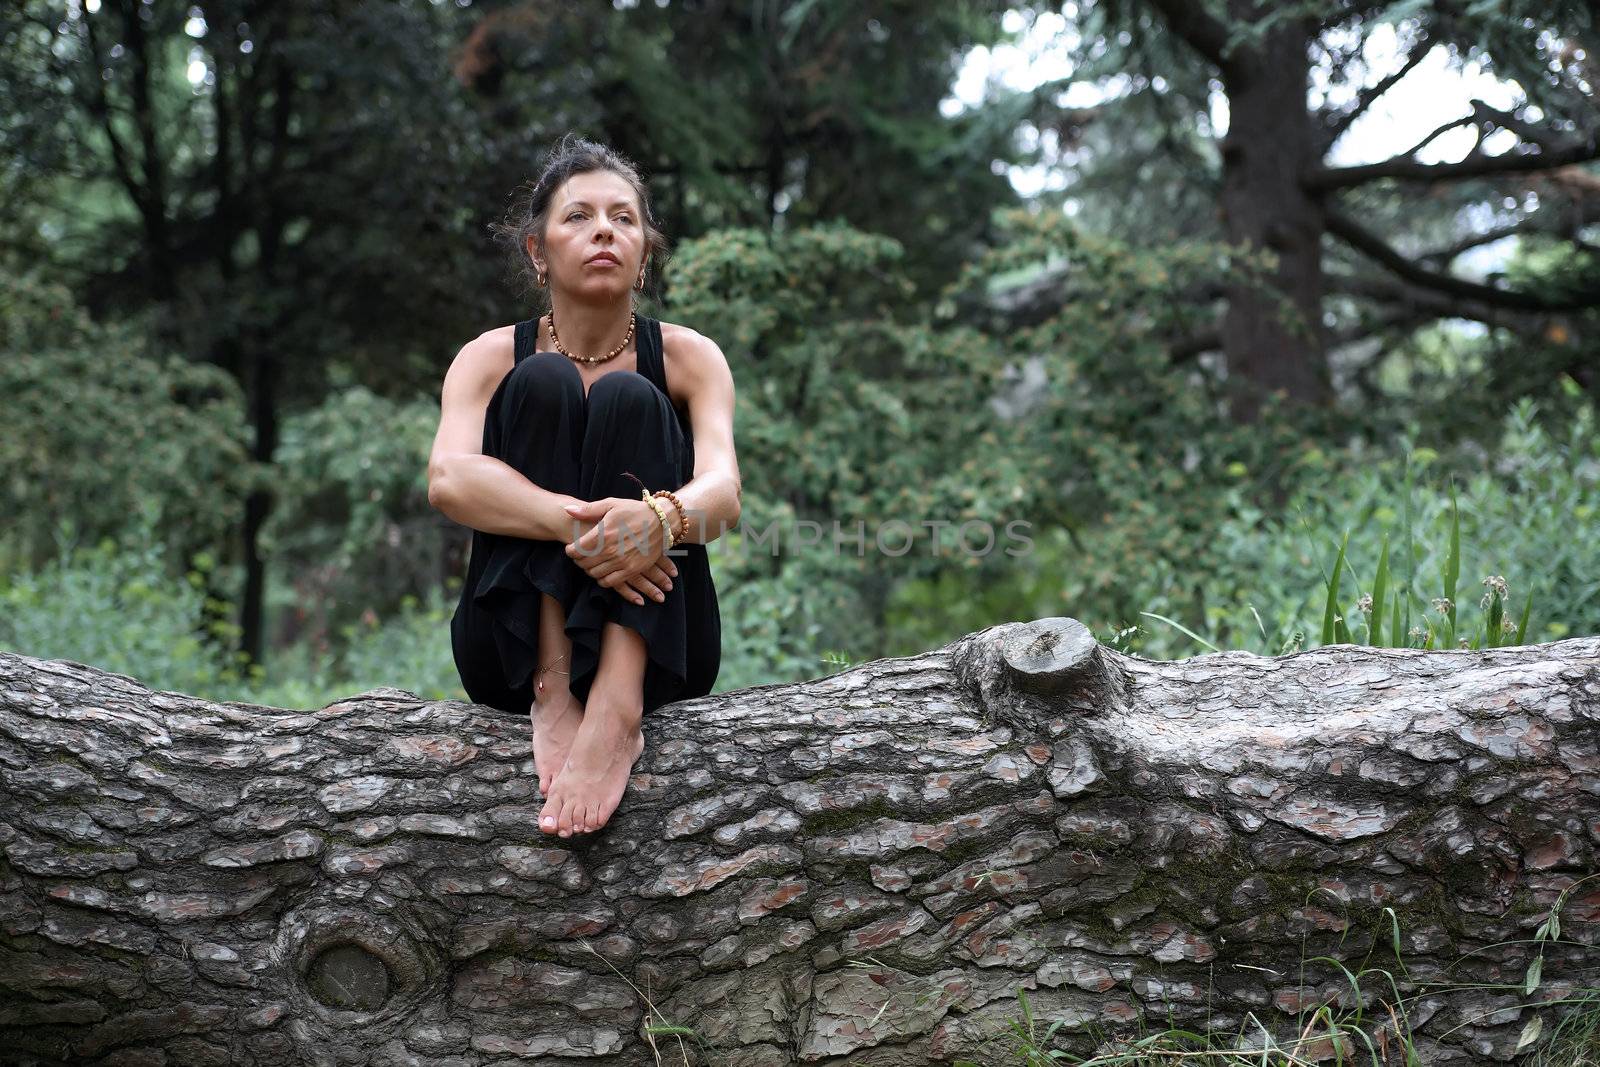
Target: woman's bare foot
x: 556, y: 716
x: 589, y: 788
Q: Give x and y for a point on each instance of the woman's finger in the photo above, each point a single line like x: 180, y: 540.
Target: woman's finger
x: 649, y: 589
x: 658, y: 574
x: 632, y: 588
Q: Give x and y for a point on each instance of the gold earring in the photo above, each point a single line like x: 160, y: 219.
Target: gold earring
x: 541, y: 277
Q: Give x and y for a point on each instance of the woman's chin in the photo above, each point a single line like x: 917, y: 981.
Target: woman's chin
x: 600, y: 290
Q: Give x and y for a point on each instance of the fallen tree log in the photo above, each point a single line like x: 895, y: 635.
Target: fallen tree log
x: 862, y: 868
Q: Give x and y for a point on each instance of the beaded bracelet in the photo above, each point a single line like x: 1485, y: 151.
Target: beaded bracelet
x: 683, y: 514
x: 666, y: 527
x: 645, y: 495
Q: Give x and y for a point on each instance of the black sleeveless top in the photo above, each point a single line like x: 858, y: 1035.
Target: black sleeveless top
x: 495, y: 629
x: 651, y: 356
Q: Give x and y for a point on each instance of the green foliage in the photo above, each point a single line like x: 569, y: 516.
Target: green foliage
x: 855, y: 403
x: 410, y: 649
x: 1120, y: 457
x: 853, y: 408
x: 839, y: 107
x: 1511, y: 533
x: 118, y: 606
x: 99, y: 428
x: 351, y: 500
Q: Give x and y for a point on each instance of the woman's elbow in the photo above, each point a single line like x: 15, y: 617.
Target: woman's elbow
x: 438, y: 486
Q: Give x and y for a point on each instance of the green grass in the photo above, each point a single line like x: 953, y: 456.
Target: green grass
x: 1388, y: 599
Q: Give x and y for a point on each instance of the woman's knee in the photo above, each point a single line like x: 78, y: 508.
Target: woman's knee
x: 627, y: 391
x: 544, y: 376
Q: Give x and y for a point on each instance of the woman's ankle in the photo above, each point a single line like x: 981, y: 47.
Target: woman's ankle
x: 620, y: 712
x: 556, y: 699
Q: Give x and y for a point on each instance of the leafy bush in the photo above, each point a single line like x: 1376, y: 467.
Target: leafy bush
x: 99, y: 428
x: 118, y: 607
x: 855, y: 406
x: 410, y: 649
x: 1520, y: 521
x: 350, y: 513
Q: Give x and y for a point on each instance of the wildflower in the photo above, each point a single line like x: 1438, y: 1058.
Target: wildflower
x: 1496, y: 584
x: 1462, y: 642
x: 1442, y: 605
x: 1415, y: 633
x: 1364, y: 605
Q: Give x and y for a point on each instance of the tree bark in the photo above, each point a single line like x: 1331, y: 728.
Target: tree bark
x: 862, y: 868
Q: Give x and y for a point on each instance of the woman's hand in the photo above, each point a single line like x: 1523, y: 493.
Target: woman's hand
x: 621, y: 545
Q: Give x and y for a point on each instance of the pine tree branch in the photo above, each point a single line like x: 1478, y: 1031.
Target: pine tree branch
x: 1421, y: 306
x: 1552, y: 153
x: 1339, y: 122
x: 1546, y: 222
x: 92, y: 90
x: 1370, y: 244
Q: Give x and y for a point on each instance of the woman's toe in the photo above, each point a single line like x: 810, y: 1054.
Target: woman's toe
x: 568, y: 818
x: 550, y: 814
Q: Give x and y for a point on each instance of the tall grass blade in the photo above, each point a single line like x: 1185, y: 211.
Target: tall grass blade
x: 1380, y: 588
x: 1452, y: 567
x: 1185, y: 629
x: 1411, y: 545
x: 1330, y: 610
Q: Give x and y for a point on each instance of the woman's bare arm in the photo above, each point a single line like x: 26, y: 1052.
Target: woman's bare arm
x: 481, y: 491
x: 711, y: 496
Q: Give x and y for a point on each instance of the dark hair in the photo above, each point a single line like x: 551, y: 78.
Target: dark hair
x: 530, y: 209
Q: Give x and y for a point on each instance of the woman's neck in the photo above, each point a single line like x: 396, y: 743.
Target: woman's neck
x: 590, y: 330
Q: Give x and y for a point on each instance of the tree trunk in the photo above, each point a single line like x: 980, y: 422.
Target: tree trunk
x: 1273, y: 340
x: 263, y: 401
x: 862, y: 868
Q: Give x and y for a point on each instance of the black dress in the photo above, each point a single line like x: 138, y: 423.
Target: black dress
x: 540, y: 422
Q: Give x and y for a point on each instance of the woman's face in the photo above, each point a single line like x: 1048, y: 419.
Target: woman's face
x: 590, y: 214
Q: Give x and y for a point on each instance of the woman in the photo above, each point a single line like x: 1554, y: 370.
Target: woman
x: 576, y: 445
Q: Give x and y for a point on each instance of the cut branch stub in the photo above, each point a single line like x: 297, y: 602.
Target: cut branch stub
x: 1037, y: 675
x: 1050, y: 656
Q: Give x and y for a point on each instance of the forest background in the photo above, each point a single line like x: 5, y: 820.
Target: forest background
x: 1245, y: 391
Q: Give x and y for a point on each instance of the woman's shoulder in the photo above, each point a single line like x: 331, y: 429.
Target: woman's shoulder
x: 686, y: 345
x: 691, y: 361
x: 486, y: 358
x: 498, y: 340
